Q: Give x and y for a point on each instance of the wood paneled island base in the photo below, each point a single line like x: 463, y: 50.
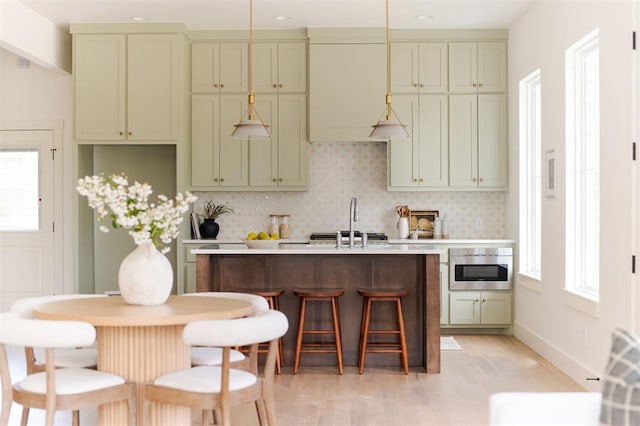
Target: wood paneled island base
x: 418, y: 270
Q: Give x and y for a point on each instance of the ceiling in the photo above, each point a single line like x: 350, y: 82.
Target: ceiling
x: 234, y: 14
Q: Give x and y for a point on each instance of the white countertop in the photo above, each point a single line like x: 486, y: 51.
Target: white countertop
x: 319, y: 249
x: 391, y: 241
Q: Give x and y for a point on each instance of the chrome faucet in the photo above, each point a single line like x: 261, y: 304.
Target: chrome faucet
x: 353, y: 217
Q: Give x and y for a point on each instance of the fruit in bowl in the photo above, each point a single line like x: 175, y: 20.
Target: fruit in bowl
x: 261, y: 240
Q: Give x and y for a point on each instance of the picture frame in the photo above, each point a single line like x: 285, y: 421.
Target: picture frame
x: 422, y: 221
x: 551, y: 173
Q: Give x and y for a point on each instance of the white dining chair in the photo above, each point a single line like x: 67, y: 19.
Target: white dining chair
x: 218, y: 387
x: 56, y: 389
x: 213, y: 355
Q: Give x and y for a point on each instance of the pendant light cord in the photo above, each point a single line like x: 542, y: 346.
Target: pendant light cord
x: 251, y: 95
x: 388, y: 96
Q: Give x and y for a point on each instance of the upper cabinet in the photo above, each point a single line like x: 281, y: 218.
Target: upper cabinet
x: 347, y: 85
x: 127, y: 87
x: 477, y: 67
x: 419, y: 68
x: 219, y: 67
x: 280, y: 67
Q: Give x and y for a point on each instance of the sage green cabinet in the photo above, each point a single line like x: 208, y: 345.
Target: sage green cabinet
x: 280, y: 67
x: 419, y: 67
x: 480, y: 308
x: 219, y: 67
x: 216, y: 159
x: 281, y: 161
x: 477, y: 67
x: 444, y: 292
x: 422, y: 160
x: 127, y: 87
x: 478, y: 141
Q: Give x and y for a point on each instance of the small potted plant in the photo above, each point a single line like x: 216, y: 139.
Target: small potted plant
x: 209, y: 228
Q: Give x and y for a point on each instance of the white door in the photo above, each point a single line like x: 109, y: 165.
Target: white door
x: 26, y: 215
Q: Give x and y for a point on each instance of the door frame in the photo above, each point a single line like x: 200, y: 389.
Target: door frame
x: 635, y: 173
x: 56, y: 127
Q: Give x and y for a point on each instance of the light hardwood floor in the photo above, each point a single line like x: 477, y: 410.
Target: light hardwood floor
x: 459, y: 396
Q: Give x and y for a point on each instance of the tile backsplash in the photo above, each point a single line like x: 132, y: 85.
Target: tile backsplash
x: 339, y: 171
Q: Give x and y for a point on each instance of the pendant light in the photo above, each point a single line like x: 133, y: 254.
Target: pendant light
x: 251, y: 125
x: 388, y: 125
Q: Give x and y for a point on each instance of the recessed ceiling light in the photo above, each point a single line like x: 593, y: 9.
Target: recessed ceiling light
x: 281, y: 18
x: 138, y: 18
x: 423, y: 17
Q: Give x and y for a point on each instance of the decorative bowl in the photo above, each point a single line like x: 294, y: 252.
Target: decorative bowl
x: 262, y: 244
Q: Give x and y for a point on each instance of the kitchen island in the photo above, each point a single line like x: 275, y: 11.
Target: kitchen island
x: 234, y: 267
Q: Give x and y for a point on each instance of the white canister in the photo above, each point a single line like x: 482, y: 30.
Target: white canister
x: 403, y: 227
x: 437, y: 229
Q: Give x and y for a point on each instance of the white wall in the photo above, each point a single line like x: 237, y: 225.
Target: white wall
x: 576, y: 342
x: 38, y: 94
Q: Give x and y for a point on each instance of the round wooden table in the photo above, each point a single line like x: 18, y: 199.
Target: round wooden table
x: 140, y: 343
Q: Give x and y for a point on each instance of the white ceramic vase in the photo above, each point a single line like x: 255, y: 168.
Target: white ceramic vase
x: 145, y: 276
x: 403, y: 227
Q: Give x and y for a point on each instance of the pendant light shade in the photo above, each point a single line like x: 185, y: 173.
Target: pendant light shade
x: 251, y: 125
x: 389, y: 125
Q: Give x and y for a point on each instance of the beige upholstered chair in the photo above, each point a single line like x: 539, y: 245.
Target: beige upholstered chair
x: 56, y: 388
x: 201, y: 355
x: 217, y: 387
x: 65, y: 357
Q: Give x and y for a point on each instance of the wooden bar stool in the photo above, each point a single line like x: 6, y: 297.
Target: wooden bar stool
x: 272, y: 295
x: 382, y: 295
x: 319, y: 295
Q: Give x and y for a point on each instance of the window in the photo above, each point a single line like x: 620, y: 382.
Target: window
x: 19, y: 207
x: 531, y: 175
x: 583, y: 167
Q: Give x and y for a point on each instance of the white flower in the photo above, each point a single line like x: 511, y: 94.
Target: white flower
x: 127, y: 206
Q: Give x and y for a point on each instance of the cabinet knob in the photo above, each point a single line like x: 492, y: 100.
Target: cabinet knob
x: 415, y: 84
x: 421, y: 85
x: 216, y: 85
x: 281, y: 85
x: 415, y: 179
x: 481, y: 179
x: 274, y: 179
x: 421, y: 180
x: 475, y: 85
x: 484, y: 300
x: 274, y: 85
x: 130, y: 133
x: 480, y: 84
x: 215, y: 179
x: 279, y: 179
x: 221, y: 179
x: 473, y: 179
x: 476, y: 300
x: 121, y: 133
x: 221, y: 86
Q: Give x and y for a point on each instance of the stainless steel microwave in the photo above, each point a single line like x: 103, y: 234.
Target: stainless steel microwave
x: 480, y: 268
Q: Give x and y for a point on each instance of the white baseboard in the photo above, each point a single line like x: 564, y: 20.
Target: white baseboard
x: 561, y: 360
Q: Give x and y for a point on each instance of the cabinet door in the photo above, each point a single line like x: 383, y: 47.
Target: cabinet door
x: 404, y: 68
x: 403, y: 153
x: 444, y: 293
x: 492, y: 67
x: 433, y: 150
x: 492, y: 140
x: 496, y: 307
x: 464, y: 307
x: 463, y: 67
x: 99, y: 73
x: 205, y: 140
x: 265, y: 67
x: 463, y: 140
x: 234, y: 153
x: 293, y: 157
x: 263, y: 153
x: 205, y: 68
x: 433, y: 75
x: 292, y: 67
x: 152, y: 86
x: 234, y: 68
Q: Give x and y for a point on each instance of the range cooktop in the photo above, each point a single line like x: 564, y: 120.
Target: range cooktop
x: 372, y: 237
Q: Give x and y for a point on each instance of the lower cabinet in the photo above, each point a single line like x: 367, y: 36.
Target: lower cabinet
x: 444, y: 293
x: 480, y: 307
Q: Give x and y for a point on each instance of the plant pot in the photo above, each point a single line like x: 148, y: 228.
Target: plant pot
x: 209, y: 229
x: 145, y: 276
